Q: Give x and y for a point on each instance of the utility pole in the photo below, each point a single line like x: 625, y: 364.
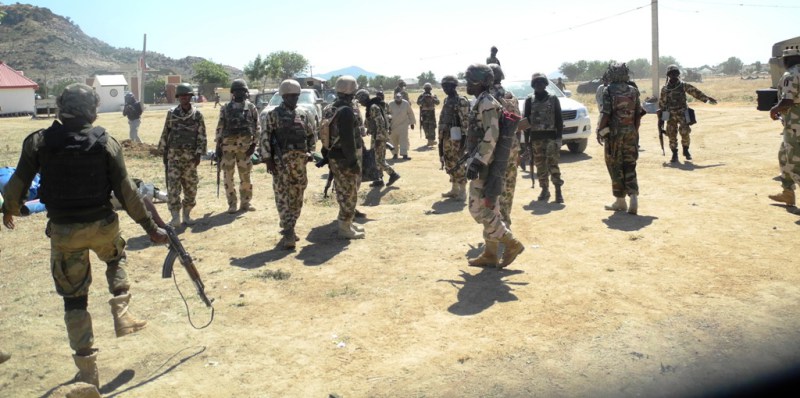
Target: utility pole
x: 654, y: 63
x: 141, y: 68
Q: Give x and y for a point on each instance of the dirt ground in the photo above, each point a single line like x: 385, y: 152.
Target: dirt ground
x: 696, y: 294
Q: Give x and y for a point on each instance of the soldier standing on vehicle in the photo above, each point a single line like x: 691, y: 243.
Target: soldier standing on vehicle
x: 401, y: 88
x: 453, y: 127
x: 183, y: 142
x: 543, y: 112
x: 286, y: 146
x: 133, y: 110
x: 492, y: 59
x: 427, y: 102
x: 344, y: 145
x: 511, y: 105
x: 673, y: 109
x: 237, y: 132
x: 788, y: 109
x: 621, y: 114
x: 482, y: 139
x: 402, y: 118
x: 80, y: 165
x: 378, y: 129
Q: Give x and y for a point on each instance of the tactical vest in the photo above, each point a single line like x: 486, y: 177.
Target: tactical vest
x: 238, y: 121
x: 183, y: 130
x: 449, y: 115
x: 74, y: 169
x: 475, y: 132
x: 291, y: 133
x: 543, y: 115
x: 623, y: 105
x: 328, y: 131
x: 427, y: 103
x: 676, y: 97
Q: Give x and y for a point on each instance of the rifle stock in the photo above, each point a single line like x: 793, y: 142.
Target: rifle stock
x: 661, y: 134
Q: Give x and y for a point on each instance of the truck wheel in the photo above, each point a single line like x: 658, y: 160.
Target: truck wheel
x: 577, y: 146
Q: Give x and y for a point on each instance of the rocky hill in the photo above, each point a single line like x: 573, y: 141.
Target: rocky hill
x: 38, y: 42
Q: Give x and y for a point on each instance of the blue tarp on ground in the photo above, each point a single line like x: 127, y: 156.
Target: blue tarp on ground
x: 32, y: 204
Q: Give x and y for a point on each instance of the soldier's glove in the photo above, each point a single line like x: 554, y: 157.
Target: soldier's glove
x: 159, y: 236
x: 271, y: 167
x: 473, y: 169
x: 251, y: 149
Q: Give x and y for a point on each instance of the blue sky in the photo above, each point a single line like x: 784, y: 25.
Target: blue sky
x: 408, y: 37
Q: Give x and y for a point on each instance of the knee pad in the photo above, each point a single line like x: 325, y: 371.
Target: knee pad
x: 76, y: 303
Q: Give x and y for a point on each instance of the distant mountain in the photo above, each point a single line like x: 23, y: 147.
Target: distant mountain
x: 354, y: 71
x: 42, y: 44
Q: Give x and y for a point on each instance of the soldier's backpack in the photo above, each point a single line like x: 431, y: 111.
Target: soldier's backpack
x: 328, y: 133
x: 623, y: 106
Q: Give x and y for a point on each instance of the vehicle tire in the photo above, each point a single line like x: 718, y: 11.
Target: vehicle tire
x: 577, y: 146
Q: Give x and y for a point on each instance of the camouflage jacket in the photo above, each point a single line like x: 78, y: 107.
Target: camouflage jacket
x: 484, y: 127
x: 377, y: 123
x: 790, y: 90
x: 455, y: 113
x: 506, y: 99
x: 427, y: 102
x: 673, y: 98
x: 282, y: 121
x: 238, y: 118
x: 184, y: 129
x: 623, y: 113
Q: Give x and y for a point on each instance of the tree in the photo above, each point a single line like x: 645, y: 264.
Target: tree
x: 426, y: 77
x: 570, y: 70
x: 206, y: 72
x: 332, y: 80
x: 596, y: 69
x: 378, y: 82
x: 285, y: 64
x: 758, y: 66
x: 664, y: 62
x: 732, y: 66
x: 640, y: 68
x: 461, y: 76
x: 152, y: 89
x: 363, y: 81
x: 256, y: 70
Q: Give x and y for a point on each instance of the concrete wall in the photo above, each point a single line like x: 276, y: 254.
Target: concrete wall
x: 17, y: 100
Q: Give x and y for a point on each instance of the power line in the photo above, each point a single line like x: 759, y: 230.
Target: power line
x: 737, y: 4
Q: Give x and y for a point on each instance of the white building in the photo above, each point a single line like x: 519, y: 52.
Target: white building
x: 111, y: 89
x: 17, y: 92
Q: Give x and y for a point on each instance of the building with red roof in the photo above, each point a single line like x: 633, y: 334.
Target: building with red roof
x: 17, y: 92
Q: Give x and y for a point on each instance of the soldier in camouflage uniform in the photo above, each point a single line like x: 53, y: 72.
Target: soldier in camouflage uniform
x: 401, y: 88
x: 492, y: 59
x: 511, y: 105
x: 427, y: 102
x: 80, y: 165
x: 483, y: 173
x: 236, y: 138
x: 453, y: 126
x: 672, y: 108
x: 183, y: 142
x: 345, y: 155
x: 378, y: 129
x: 788, y: 109
x: 618, y: 130
x: 543, y: 112
x: 286, y: 145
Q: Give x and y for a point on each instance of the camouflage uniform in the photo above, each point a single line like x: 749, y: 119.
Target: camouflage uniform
x: 455, y: 113
x: 290, y: 130
x: 544, y: 137
x: 790, y: 90
x: 345, y: 158
x: 621, y: 146
x: 183, y: 141
x: 673, y: 100
x: 237, y: 130
x: 427, y: 114
x: 378, y: 129
x: 510, y: 104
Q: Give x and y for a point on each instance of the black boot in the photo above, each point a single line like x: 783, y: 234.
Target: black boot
x: 392, y: 178
x: 377, y: 183
x: 559, y: 198
x: 674, y: 156
x: 686, y: 153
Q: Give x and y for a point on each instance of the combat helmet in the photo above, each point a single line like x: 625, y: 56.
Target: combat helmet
x: 539, y: 76
x: 427, y: 87
x: 346, y: 85
x: 239, y: 84
x: 183, y: 89
x: 289, y: 86
x: 498, y: 73
x: 673, y: 68
x: 401, y: 83
x: 78, y: 101
x: 450, y: 79
x: 480, y: 74
x: 362, y: 96
x: 618, y: 73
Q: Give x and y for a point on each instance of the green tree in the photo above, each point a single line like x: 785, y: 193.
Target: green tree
x: 391, y: 81
x: 256, y: 71
x: 732, y: 66
x: 461, y: 76
x: 363, y: 81
x: 153, y: 88
x: 426, y: 77
x: 206, y: 72
x: 570, y: 70
x: 595, y: 69
x: 332, y: 80
x: 378, y: 82
x: 664, y: 62
x: 758, y: 66
x: 640, y: 68
x: 285, y: 64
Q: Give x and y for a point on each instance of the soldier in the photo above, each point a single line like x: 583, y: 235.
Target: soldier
x: 621, y: 113
x: 543, y: 112
x: 237, y: 129
x: 484, y: 187
x: 344, y: 152
x: 511, y: 105
x: 286, y: 145
x: 401, y: 88
x: 183, y: 142
x: 378, y: 129
x: 788, y: 109
x: 80, y: 165
x: 787, y: 195
x: 453, y: 126
x: 427, y: 102
x: 133, y: 111
x: 402, y: 118
x: 672, y: 109
x: 492, y: 59
x: 560, y: 84
x: 216, y: 100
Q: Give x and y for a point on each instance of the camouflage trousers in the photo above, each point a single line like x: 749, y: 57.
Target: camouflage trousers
x: 546, y: 154
x: 493, y: 226
x: 677, y: 123
x: 510, y: 182
x: 452, y: 153
x: 786, y: 178
x: 289, y: 184
x: 621, y: 152
x: 791, y: 147
x: 234, y: 156
x: 71, y: 268
x: 380, y: 157
x: 347, y: 182
x: 181, y: 175
x: 428, y: 123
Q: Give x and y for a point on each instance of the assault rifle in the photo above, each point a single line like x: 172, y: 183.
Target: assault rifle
x: 661, y: 134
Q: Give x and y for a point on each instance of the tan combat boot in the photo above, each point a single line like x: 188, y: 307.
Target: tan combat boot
x: 453, y: 193
x: 187, y: 219
x: 462, y: 192
x: 246, y: 206
x: 489, y: 256
x: 4, y: 356
x: 124, y: 322
x: 787, y: 196
x: 288, y: 241
x: 619, y: 205
x: 232, y: 208
x: 347, y: 231
x: 87, y: 368
x: 634, y: 207
x: 176, y: 218
x: 513, y: 248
